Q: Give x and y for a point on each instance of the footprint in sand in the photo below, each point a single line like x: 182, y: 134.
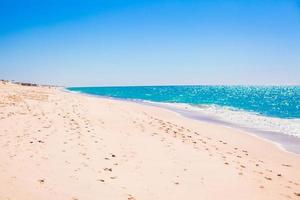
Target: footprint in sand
x: 268, y: 178
x: 108, y: 169
x: 130, y: 197
x: 285, y: 165
x: 297, y: 194
x: 41, y: 181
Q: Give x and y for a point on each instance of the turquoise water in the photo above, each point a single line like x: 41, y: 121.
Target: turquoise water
x: 272, y: 101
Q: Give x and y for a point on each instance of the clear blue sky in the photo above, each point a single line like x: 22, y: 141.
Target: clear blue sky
x: 151, y: 42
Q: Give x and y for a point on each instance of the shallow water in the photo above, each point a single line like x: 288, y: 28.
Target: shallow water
x: 272, y: 101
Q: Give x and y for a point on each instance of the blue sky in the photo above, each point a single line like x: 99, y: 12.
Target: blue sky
x: 150, y: 42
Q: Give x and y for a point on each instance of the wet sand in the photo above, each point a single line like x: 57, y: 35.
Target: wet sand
x: 289, y: 143
x: 58, y: 145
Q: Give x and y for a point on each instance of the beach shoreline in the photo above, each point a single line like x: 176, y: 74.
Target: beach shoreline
x: 59, y: 145
x: 287, y: 143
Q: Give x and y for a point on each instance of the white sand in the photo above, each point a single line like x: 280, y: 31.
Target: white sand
x: 58, y: 145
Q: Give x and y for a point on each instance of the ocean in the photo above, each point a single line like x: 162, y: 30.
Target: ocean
x: 275, y: 109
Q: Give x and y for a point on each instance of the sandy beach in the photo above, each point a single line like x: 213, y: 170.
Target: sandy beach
x: 65, y: 146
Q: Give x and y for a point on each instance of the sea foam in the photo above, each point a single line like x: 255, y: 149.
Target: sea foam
x: 253, y: 120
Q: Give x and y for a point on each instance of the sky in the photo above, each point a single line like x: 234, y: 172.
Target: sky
x: 150, y: 42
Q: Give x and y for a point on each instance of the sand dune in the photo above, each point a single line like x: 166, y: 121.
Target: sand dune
x: 58, y: 145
